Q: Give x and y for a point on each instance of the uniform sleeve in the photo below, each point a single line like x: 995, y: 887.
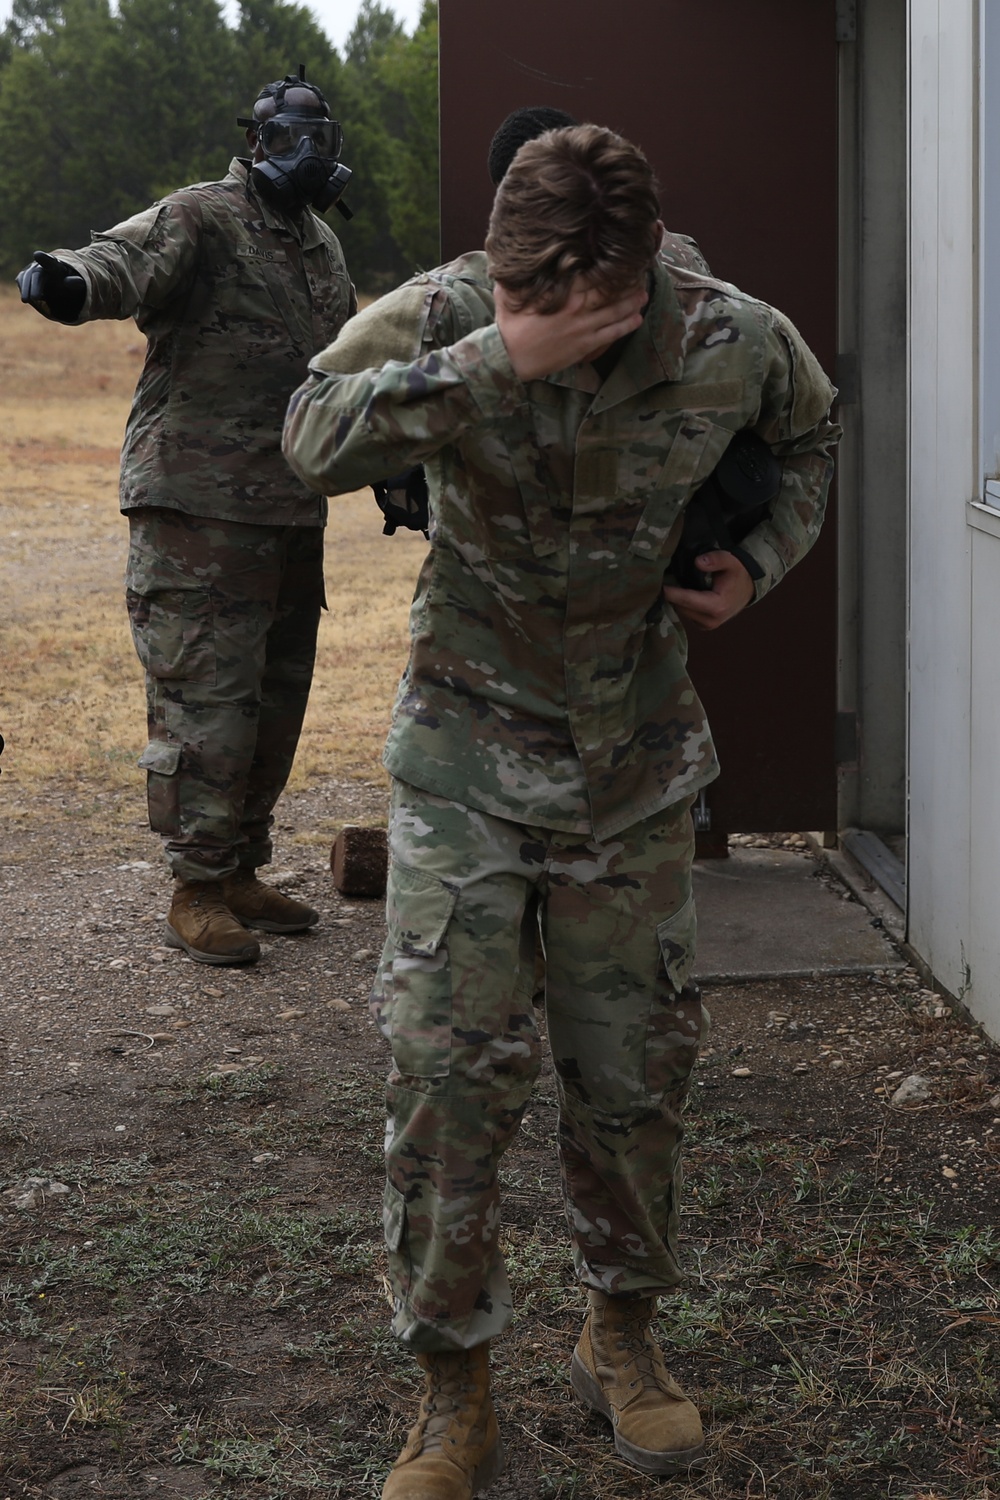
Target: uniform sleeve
x: 794, y: 419
x: 393, y: 389
x: 144, y: 261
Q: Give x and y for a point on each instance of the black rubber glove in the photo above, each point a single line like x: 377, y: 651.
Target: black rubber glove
x: 52, y: 288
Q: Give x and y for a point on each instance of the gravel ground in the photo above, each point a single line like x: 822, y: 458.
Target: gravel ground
x: 192, y: 1306
x: 86, y: 982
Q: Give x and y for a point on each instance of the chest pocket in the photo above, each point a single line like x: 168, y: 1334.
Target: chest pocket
x: 694, y: 453
x: 251, y: 290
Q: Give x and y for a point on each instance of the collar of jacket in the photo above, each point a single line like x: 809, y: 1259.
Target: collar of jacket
x: 654, y: 353
x: 306, y: 230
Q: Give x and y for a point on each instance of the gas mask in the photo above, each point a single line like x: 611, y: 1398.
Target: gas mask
x: 301, y: 167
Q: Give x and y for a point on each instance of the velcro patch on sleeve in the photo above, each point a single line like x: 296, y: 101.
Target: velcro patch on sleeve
x: 389, y: 329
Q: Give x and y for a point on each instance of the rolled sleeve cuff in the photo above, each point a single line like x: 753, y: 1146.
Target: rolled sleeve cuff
x: 768, y: 558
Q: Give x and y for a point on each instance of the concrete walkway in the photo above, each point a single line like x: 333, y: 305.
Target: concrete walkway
x: 770, y: 914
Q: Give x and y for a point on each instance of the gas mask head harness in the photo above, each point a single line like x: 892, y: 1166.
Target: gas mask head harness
x: 301, y: 145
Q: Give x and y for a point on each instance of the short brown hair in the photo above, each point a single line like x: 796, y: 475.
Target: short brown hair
x: 576, y: 201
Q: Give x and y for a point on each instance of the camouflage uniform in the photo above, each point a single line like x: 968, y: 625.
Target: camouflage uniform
x: 547, y: 720
x: 225, y: 563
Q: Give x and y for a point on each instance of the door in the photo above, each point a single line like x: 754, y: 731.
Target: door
x: 736, y: 107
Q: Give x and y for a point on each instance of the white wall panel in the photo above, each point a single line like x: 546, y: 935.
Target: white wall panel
x: 943, y: 325
x: 984, y: 938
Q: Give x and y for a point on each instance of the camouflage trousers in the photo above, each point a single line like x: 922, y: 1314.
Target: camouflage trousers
x: 224, y: 617
x: 469, y: 896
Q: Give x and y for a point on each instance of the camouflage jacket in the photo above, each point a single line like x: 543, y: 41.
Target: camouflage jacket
x: 233, y: 299
x: 547, y: 679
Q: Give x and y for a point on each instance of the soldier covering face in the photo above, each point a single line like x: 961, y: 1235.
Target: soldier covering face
x: 568, y: 391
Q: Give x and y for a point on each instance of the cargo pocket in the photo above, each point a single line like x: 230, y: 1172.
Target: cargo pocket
x: 161, y: 762
x: 675, y: 1019
x: 418, y: 910
x: 676, y: 937
x: 174, y: 633
x: 393, y: 1217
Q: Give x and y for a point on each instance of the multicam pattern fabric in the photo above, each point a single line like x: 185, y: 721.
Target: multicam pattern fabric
x: 233, y: 298
x: 547, y: 679
x: 224, y: 617
x: 454, y: 997
x: 681, y: 250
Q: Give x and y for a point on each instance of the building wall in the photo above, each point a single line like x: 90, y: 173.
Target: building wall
x: 872, y: 462
x: 954, y: 580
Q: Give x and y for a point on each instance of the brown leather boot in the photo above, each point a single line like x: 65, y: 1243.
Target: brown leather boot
x: 262, y: 906
x: 200, y: 922
x: 454, y: 1450
x: 618, y: 1370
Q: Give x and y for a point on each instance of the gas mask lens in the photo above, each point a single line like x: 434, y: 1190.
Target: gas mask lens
x: 281, y: 135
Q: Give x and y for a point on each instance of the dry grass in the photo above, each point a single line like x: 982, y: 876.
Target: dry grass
x: 71, y: 697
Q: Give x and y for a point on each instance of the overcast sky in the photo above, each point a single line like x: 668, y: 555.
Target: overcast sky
x: 335, y: 16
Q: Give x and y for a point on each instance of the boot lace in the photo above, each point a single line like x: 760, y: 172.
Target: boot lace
x: 445, y: 1399
x: 633, y: 1338
x: 209, y: 900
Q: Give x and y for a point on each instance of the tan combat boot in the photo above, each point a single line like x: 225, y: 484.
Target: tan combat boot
x: 200, y: 922
x: 258, y: 905
x: 618, y: 1370
x: 454, y: 1450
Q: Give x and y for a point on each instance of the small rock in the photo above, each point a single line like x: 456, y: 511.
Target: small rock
x: 180, y: 1025
x: 233, y: 1051
x: 776, y: 1016
x: 801, y: 1067
x: 160, y: 1010
x: 252, y: 1062
x: 290, y: 1015
x: 215, y: 994
x: 993, y: 1103
x: 118, y: 963
x: 338, y: 1005
x: 264, y: 1156
x: 162, y: 955
x: 948, y: 1172
x: 741, y: 1073
x: 836, y: 1062
x: 161, y: 1038
x: 362, y: 954
x: 222, y: 1070
x: 33, y: 1192
x: 912, y: 1090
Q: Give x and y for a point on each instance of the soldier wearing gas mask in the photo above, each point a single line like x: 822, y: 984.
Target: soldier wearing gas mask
x: 236, y: 284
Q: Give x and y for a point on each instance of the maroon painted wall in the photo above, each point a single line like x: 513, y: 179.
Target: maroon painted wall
x: 736, y: 106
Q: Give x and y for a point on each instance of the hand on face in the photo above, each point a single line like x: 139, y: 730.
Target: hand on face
x: 731, y: 591
x: 540, y: 343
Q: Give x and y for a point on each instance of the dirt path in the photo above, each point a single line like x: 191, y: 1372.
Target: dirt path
x: 203, y: 1310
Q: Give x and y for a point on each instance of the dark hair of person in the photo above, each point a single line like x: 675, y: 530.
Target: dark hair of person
x: 521, y: 126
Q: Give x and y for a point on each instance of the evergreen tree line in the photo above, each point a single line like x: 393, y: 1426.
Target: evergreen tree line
x: 104, y: 110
